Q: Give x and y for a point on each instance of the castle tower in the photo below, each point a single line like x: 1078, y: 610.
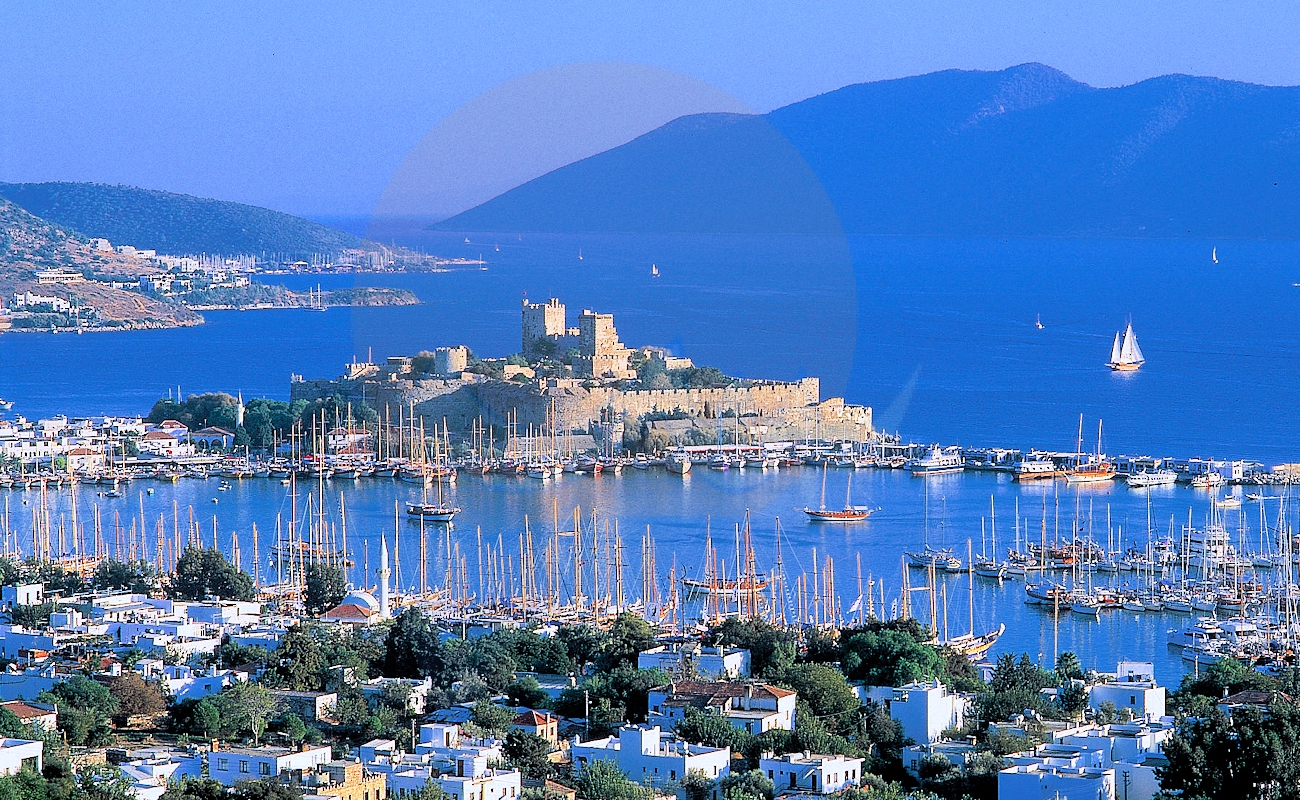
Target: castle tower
x: 383, y: 572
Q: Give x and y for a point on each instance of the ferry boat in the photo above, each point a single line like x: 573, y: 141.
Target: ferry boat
x: 1145, y: 480
x: 1125, y: 355
x: 936, y: 462
x: 1036, y: 469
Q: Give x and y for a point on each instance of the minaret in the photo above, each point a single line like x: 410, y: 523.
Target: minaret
x: 383, y: 572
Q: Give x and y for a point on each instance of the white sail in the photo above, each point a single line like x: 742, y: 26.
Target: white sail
x: 1129, y: 352
x: 1115, y: 350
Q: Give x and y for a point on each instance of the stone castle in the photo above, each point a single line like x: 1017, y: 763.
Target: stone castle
x: 600, y: 389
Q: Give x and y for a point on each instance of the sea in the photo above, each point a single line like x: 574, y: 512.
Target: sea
x: 940, y: 336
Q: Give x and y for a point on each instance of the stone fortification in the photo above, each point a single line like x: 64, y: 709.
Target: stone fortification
x: 795, y: 408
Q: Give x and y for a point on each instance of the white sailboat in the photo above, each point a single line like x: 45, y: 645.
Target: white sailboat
x: 654, y: 271
x: 1214, y: 254
x: 1038, y: 322
x: 1125, y: 355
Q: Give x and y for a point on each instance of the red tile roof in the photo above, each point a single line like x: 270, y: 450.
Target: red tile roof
x: 533, y: 719
x: 347, y: 612
x: 25, y: 712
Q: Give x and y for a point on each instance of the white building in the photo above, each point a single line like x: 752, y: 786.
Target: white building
x: 808, y: 772
x: 648, y: 756
x: 1080, y: 762
x: 697, y: 661
x: 1134, y: 688
x: 19, y: 754
x: 1044, y: 781
x: 151, y: 769
x: 253, y: 763
x: 753, y: 707
x: 416, y: 692
x: 926, y: 709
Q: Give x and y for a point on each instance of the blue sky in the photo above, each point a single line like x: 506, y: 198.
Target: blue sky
x: 312, y: 107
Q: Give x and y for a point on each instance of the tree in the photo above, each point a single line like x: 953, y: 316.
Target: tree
x: 201, y: 572
x: 769, y: 646
x: 189, y: 788
x: 529, y: 753
x: 84, y: 709
x: 325, y: 587
x: 1250, y: 755
x: 104, y: 782
x: 252, y: 706
x: 266, y: 789
x: 411, y: 649
x: 300, y: 664
x: 527, y: 692
x: 294, y: 728
x: 1073, y: 699
x: 603, y: 780
x: 492, y: 717
x: 628, y: 636
x: 752, y: 785
x: 207, y: 716
x: 583, y: 643
x: 825, y: 691
x: 711, y: 729
x: 136, y: 577
x: 696, y: 785
x: 136, y: 696
x: 33, y: 616
x: 1068, y: 667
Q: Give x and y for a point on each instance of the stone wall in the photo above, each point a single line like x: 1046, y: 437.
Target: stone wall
x: 793, y: 409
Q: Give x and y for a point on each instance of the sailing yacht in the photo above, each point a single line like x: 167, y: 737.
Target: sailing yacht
x: 1125, y: 355
x: 1214, y: 254
x: 1038, y: 322
x: 654, y: 270
x: 850, y: 513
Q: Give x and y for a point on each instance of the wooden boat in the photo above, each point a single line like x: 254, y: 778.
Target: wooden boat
x: 849, y: 513
x: 1125, y: 355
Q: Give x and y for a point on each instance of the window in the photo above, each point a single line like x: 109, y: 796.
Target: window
x: 264, y: 768
x: 223, y: 764
x: 769, y: 774
x: 243, y: 766
x: 672, y: 774
x: 1132, y: 700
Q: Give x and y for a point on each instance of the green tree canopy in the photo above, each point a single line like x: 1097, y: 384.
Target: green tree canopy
x: 201, y: 572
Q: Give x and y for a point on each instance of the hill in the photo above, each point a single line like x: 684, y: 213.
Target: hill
x: 1023, y: 151
x: 29, y: 244
x: 177, y: 224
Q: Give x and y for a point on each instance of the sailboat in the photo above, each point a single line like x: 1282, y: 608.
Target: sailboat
x: 1038, y: 321
x: 850, y: 512
x: 579, y: 253
x: 654, y: 270
x: 1214, y: 254
x: 1125, y: 355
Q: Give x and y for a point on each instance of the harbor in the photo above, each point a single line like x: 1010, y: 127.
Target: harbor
x: 1062, y: 566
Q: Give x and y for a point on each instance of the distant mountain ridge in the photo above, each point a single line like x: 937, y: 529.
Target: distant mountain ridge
x: 176, y: 224
x: 1023, y: 151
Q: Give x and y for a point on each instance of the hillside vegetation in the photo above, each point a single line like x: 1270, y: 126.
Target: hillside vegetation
x: 177, y: 224
x: 29, y: 244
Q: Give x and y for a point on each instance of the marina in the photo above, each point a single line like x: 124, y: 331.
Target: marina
x: 1061, y: 566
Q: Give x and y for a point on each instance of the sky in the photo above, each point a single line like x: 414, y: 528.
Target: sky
x: 313, y: 108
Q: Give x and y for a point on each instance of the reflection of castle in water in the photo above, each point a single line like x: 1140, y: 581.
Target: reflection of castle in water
x: 585, y: 381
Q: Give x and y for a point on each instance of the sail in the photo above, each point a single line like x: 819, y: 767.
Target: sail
x: 1129, y: 352
x: 1115, y: 350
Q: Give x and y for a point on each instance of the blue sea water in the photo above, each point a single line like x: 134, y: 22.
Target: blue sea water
x: 937, y: 335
